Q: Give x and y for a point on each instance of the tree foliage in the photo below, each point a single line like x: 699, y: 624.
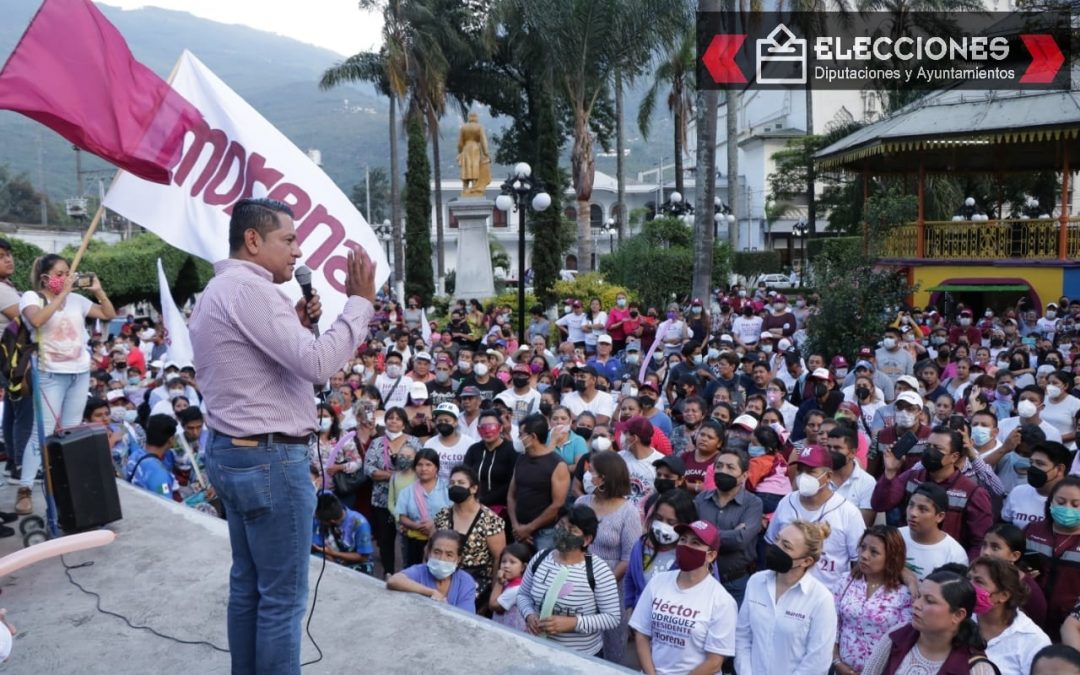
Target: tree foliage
x: 24, y: 253
x: 20, y: 201
x: 419, y: 278
x: 755, y: 263
x: 585, y: 287
x: 657, y: 264
x: 854, y: 297
x: 128, y: 269
x: 380, y: 196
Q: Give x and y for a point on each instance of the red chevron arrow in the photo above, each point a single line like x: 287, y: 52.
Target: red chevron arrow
x: 1046, y: 59
x: 719, y: 59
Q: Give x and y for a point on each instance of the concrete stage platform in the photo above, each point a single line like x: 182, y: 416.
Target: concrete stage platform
x: 169, y: 569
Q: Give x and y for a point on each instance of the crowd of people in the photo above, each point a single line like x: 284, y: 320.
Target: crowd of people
x: 685, y: 488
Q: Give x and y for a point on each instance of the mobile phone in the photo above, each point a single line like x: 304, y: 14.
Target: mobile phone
x: 84, y: 279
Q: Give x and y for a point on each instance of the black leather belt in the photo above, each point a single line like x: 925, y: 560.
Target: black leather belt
x: 269, y: 439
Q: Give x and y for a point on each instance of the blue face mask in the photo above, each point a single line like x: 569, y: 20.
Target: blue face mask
x: 1065, y: 516
x: 440, y: 569
x: 756, y: 450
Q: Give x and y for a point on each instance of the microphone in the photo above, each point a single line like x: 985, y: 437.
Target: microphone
x: 303, y: 277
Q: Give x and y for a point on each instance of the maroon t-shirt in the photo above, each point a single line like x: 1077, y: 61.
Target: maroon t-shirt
x: 697, y: 472
x: 785, y: 322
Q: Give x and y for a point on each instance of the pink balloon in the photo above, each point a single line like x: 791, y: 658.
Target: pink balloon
x: 54, y: 547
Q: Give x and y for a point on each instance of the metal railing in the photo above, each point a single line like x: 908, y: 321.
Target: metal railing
x: 1014, y: 238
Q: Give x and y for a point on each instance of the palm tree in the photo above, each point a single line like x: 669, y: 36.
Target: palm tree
x: 585, y: 41
x: 382, y: 70
x: 677, y: 71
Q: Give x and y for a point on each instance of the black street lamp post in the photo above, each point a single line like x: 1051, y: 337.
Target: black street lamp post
x: 516, y: 193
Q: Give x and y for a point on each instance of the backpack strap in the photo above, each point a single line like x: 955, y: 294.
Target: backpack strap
x: 540, y: 558
x: 981, y: 658
x: 135, y: 469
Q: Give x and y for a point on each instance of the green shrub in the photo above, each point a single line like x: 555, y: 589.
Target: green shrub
x: 591, y: 285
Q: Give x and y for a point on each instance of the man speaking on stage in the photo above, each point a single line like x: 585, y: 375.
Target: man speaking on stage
x: 257, y: 360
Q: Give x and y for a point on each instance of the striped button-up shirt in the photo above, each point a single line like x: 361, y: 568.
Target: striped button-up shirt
x: 256, y: 362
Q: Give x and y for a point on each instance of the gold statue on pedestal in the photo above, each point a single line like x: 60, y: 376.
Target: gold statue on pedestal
x: 473, y: 158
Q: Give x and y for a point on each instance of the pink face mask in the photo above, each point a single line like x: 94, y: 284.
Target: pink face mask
x: 55, y: 284
x: 503, y: 376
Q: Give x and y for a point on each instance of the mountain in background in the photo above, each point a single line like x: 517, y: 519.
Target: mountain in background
x: 279, y: 77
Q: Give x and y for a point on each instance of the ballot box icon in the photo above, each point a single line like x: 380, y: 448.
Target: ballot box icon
x: 781, y: 58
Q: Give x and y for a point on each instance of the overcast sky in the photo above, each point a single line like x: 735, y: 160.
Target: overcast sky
x: 334, y: 24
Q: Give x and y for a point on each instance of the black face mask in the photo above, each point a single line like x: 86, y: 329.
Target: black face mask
x: 839, y: 460
x: 1036, y: 477
x: 545, y: 409
x: 521, y: 382
x: 445, y: 429
x: 777, y: 559
x: 633, y: 314
x: 821, y: 389
x: 862, y: 392
x: 458, y: 493
x: 931, y: 460
x: 662, y: 485
x: 724, y: 481
x: 579, y: 385
x: 584, y: 432
x: 647, y: 402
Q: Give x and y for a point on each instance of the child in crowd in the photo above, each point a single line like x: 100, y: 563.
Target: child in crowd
x: 504, y: 589
x: 928, y: 546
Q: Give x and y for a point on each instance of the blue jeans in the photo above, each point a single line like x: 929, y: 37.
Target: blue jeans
x: 269, y: 502
x: 18, y: 424
x: 544, y: 538
x: 63, y: 396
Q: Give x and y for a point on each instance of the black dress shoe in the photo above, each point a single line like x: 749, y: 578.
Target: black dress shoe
x: 8, y: 517
x: 6, y: 531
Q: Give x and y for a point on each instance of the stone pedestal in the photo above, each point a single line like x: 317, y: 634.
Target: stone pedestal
x: 473, y: 271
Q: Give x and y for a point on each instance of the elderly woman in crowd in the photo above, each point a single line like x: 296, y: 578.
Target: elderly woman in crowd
x: 483, y: 532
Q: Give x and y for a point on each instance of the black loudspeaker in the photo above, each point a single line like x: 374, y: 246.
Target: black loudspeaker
x: 83, y: 478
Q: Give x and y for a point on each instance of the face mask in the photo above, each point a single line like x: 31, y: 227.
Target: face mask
x: 175, y: 393
x: 808, y: 485
x: 567, y: 308
x: 698, y: 359
x: 664, y: 534
x: 767, y: 349
x: 403, y: 463
x: 480, y: 369
x: 393, y: 435
x: 800, y: 303
x: 1036, y: 477
x: 696, y: 310
x: 325, y: 423
x: 820, y: 389
x: 778, y: 307
x: 980, y: 435
x: 620, y: 302
x: 658, y: 356
x: 503, y: 376
x: 905, y: 419
x: 587, y: 484
x: 1051, y: 314
x: 932, y: 460
x: 464, y: 366
x: 937, y: 340
x: 862, y: 392
x: 1026, y: 409
x: 965, y: 322
x: 134, y: 380
x: 601, y: 444
x: 458, y: 493
x: 632, y: 359
x: 841, y: 372
x: 689, y: 559
x: 724, y: 481
x: 116, y: 413
x: 742, y: 293
x: 1065, y: 516
x: 54, y: 284
x: 566, y: 542
x: 773, y: 397
x: 889, y: 343
x: 545, y: 409
x: 647, y: 401
x: 442, y: 377
x: 713, y: 354
x: 358, y: 369
x: 1053, y: 391
x: 777, y: 559
x: 130, y: 416
x: 393, y: 371
x: 756, y: 450
x: 671, y: 316
x: 662, y: 485
x: 521, y: 381
x: 624, y: 441
x: 445, y: 429
x: 440, y: 569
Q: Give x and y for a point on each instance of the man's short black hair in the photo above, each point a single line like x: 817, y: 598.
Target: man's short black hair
x: 190, y: 414
x: 5, y: 245
x: 328, y: 508
x: 159, y: 429
x: 255, y: 214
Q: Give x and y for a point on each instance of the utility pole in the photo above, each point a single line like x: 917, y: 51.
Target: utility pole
x: 78, y: 171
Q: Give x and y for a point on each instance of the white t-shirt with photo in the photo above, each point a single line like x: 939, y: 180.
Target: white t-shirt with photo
x: 1023, y: 505
x: 922, y: 559
x: 685, y: 624
x: 450, y: 455
x: 840, y: 548
x: 63, y: 340
x: 522, y: 406
x: 642, y: 476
